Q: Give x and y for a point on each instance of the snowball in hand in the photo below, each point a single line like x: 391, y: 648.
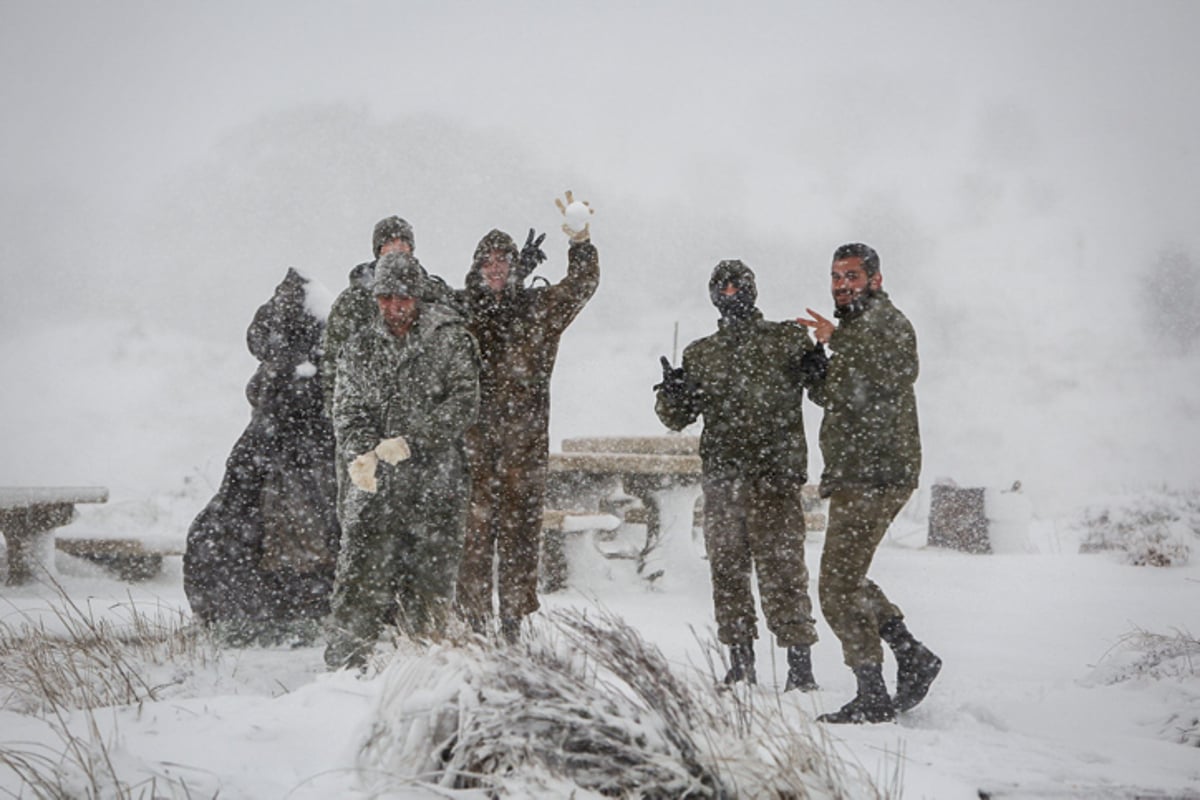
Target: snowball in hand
x: 577, y: 215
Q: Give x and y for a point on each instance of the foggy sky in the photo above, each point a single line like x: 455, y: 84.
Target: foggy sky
x: 1017, y: 164
x: 812, y: 123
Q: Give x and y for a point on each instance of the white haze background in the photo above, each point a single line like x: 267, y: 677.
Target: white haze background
x: 1020, y: 166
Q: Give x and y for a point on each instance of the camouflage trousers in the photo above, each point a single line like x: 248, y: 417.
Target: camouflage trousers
x: 757, y: 524
x: 393, y: 569
x: 853, y: 605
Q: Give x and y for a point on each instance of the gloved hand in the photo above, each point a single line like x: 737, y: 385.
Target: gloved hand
x: 531, y: 255
x: 675, y: 384
x: 813, y: 365
x: 362, y: 472
x: 575, y: 217
x: 393, y: 450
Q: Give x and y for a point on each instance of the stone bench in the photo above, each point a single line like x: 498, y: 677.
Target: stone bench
x: 131, y: 559
x: 558, y: 526
x: 28, y: 517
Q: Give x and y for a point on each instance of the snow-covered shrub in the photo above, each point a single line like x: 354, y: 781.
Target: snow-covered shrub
x: 1142, y: 655
x: 585, y: 708
x: 1156, y: 529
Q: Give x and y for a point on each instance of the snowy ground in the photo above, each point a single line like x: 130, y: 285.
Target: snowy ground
x: 1023, y: 708
x: 1038, y: 698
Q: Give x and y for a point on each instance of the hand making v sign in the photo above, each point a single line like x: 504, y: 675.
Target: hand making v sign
x: 822, y: 328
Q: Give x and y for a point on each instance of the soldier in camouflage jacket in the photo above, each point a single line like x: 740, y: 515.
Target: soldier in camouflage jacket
x: 747, y: 381
x: 407, y: 389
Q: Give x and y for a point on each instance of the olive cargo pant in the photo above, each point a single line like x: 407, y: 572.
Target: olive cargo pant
x: 852, y: 604
x: 758, y: 523
x: 508, y: 493
x: 394, y: 566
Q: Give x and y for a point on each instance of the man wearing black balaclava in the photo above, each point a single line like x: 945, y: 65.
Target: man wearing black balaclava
x: 747, y: 381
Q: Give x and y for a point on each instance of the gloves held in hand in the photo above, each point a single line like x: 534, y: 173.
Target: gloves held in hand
x: 362, y: 472
x: 393, y: 450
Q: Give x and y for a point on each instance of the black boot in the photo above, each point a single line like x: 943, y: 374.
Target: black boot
x: 871, y: 704
x: 510, y: 629
x: 800, y: 674
x: 916, y: 668
x: 741, y: 664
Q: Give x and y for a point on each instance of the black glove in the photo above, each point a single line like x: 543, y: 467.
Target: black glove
x: 674, y: 384
x: 813, y: 365
x: 531, y: 255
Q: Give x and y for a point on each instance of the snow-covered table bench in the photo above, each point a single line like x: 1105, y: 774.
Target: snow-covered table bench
x: 132, y: 559
x: 28, y: 517
x: 664, y: 473
x: 557, y: 527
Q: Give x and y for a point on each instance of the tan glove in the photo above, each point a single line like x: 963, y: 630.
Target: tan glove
x: 394, y: 450
x: 362, y: 472
x: 575, y: 217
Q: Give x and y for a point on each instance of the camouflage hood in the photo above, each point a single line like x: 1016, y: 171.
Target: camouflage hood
x: 494, y: 240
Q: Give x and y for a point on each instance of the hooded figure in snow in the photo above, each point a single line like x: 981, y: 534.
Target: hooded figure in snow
x: 747, y: 381
x: 407, y: 387
x: 518, y: 329
x: 260, y: 556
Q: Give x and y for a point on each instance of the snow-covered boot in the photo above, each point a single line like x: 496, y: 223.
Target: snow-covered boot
x: 916, y: 668
x: 800, y: 674
x: 871, y: 704
x: 741, y: 664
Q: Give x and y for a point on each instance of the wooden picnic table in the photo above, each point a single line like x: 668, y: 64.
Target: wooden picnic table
x: 28, y: 517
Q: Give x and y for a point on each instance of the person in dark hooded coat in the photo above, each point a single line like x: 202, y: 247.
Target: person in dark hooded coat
x: 747, y: 382
x: 260, y: 556
x: 518, y: 329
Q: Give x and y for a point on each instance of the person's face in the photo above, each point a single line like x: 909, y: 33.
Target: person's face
x: 399, y: 312
x: 494, y: 270
x: 395, y: 246
x: 850, y: 281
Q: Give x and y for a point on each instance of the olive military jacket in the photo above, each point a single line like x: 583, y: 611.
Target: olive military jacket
x: 746, y: 381
x: 869, y: 436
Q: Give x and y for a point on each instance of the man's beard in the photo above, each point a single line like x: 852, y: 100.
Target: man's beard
x: 855, y: 303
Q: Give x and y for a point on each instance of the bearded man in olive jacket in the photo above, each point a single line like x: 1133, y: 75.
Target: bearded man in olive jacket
x: 518, y: 329
x: 747, y: 381
x: 871, y: 444
x: 407, y: 389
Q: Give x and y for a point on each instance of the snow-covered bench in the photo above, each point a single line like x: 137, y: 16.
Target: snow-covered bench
x: 131, y: 559
x: 664, y: 473
x: 28, y: 517
x: 561, y: 531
